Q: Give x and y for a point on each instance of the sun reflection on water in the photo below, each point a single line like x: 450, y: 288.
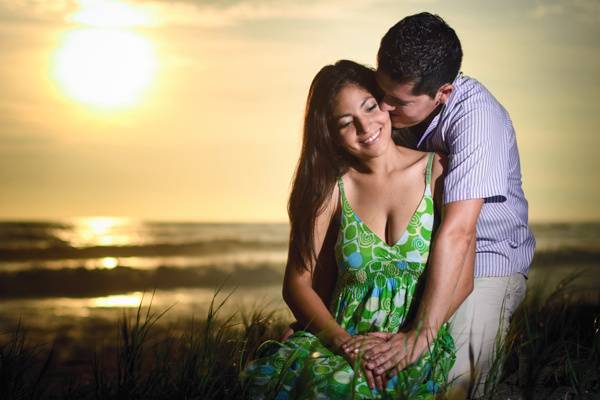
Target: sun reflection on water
x: 131, y: 300
x: 109, y: 262
x: 100, y: 231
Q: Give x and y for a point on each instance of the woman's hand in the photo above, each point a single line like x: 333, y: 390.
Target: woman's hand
x: 398, y: 352
x: 290, y: 330
x: 359, y: 344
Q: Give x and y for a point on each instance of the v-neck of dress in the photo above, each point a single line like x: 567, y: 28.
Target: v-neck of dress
x: 404, y: 232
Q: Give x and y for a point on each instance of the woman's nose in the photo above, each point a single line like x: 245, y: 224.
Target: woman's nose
x: 361, y: 125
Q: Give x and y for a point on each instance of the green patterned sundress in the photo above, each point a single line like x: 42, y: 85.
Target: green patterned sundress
x: 374, y: 291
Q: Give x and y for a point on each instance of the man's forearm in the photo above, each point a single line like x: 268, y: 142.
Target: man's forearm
x: 465, y: 284
x: 449, y: 279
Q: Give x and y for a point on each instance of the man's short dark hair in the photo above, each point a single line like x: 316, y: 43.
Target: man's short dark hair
x: 421, y: 49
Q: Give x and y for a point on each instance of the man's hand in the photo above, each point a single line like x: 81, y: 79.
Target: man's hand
x: 354, y: 349
x: 398, y: 352
x: 359, y: 344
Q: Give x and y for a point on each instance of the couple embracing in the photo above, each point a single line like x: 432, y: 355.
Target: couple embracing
x: 409, y: 243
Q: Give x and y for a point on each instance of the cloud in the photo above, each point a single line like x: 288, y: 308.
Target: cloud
x: 36, y: 10
x: 582, y: 10
x: 233, y: 13
x: 205, y: 14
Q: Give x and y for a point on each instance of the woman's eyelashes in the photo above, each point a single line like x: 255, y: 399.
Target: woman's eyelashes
x: 344, y: 123
x: 349, y: 120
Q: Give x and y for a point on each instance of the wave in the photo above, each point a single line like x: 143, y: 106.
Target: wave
x: 209, y: 247
x: 563, y: 255
x: 82, y: 282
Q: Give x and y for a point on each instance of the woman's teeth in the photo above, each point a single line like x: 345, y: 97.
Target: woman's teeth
x: 371, y: 138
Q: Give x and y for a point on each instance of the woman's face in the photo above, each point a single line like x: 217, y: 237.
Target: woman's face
x: 364, y: 130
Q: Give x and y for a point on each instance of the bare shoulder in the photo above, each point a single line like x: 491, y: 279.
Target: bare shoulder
x: 414, y: 158
x: 330, y: 206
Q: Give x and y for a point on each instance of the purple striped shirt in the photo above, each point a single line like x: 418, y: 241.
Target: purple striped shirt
x: 476, y: 133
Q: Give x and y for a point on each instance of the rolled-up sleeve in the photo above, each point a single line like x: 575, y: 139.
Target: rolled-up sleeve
x: 477, y: 157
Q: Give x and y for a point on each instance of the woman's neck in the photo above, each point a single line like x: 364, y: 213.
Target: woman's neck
x: 381, y: 165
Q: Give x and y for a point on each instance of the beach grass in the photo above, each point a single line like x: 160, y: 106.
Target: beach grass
x: 552, y: 351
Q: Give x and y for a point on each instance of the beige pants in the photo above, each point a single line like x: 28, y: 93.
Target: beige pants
x: 478, y: 324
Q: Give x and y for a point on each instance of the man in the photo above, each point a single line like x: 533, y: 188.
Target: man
x: 435, y: 108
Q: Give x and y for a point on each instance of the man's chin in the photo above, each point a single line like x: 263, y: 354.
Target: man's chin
x: 400, y: 125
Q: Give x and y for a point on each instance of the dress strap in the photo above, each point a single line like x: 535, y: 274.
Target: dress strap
x: 340, y: 186
x: 428, y: 171
x: 343, y: 200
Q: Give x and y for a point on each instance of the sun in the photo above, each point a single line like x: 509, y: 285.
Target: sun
x: 105, y: 65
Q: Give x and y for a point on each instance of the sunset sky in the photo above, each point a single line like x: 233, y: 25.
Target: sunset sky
x: 192, y: 110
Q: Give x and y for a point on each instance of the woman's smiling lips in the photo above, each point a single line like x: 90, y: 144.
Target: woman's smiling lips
x: 371, y: 138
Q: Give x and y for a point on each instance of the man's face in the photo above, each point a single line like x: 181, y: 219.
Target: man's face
x: 405, y: 108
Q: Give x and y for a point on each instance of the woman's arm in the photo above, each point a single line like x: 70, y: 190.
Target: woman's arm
x: 307, y: 293
x: 306, y: 297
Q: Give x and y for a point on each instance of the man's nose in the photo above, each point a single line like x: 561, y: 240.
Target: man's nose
x: 385, y: 106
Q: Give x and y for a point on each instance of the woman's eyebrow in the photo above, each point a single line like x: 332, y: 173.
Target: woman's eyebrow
x: 362, y: 103
x: 338, y: 117
x: 367, y: 98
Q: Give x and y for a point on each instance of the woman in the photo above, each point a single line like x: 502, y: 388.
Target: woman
x: 350, y: 167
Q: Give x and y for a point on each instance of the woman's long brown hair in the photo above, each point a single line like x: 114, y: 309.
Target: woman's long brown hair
x: 322, y: 160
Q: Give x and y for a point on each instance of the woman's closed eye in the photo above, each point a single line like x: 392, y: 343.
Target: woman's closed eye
x: 344, y: 123
x: 371, y: 106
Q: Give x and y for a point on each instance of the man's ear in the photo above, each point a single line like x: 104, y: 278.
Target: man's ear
x: 444, y: 92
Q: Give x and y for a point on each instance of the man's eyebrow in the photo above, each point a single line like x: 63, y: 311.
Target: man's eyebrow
x: 397, y: 100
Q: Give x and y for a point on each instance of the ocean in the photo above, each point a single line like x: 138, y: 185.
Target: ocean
x: 69, y: 272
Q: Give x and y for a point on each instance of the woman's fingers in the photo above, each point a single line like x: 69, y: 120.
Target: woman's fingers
x: 375, y: 380
x: 381, y: 335
x: 375, y: 351
x: 379, y: 382
x: 360, y: 344
x: 286, y: 334
x: 366, y: 345
x: 385, y: 358
x: 370, y: 380
x: 392, y: 364
x: 352, y: 342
